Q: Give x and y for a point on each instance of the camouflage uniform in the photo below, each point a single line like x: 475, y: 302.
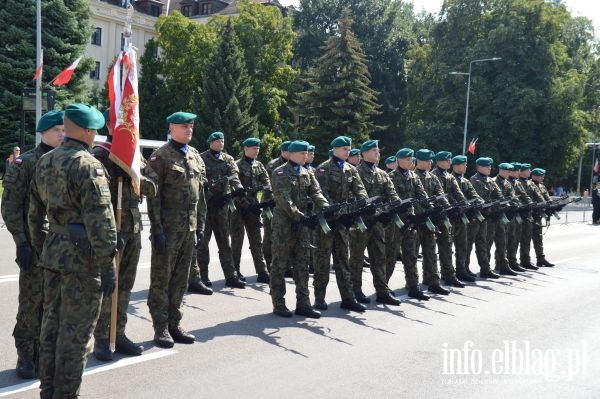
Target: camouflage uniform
x: 217, y: 215
x: 377, y: 183
x: 478, y: 231
x: 527, y: 226
x: 15, y: 205
x: 444, y: 236
x: 178, y: 210
x: 70, y: 187
x: 131, y: 228
x: 499, y: 236
x: 312, y: 233
x: 537, y: 235
x: 407, y: 185
x: 339, y: 184
x: 524, y: 199
x: 292, y: 187
x: 267, y: 244
x: 252, y: 174
x: 461, y: 242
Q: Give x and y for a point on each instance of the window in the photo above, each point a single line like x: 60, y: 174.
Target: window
x: 155, y: 10
x: 95, y: 74
x: 205, y: 8
x: 186, y: 11
x: 97, y: 37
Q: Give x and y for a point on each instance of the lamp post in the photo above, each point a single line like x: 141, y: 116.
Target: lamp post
x: 468, y: 94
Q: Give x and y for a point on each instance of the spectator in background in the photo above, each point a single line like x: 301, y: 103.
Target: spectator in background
x: 11, y: 158
x: 596, y: 204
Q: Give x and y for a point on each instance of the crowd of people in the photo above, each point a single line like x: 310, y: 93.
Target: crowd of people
x: 60, y: 199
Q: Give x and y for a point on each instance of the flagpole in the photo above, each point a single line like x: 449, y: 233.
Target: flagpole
x: 38, y: 82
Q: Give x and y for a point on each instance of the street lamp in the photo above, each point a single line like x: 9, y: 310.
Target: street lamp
x: 468, y: 93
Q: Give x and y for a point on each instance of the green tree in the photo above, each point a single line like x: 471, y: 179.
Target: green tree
x: 339, y: 100
x: 65, y: 33
x: 153, y: 94
x: 227, y: 94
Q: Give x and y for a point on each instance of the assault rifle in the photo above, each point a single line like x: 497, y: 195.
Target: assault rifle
x: 347, y: 213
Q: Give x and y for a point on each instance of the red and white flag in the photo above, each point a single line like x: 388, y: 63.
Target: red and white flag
x: 472, y: 145
x: 38, y: 72
x: 125, y: 115
x: 65, y: 76
x: 596, y: 166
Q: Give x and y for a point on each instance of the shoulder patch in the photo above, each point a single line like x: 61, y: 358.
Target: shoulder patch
x: 99, y: 172
x: 322, y: 170
x: 18, y: 161
x: 280, y: 173
x: 153, y: 158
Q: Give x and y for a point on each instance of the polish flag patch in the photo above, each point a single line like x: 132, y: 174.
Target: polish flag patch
x: 99, y: 172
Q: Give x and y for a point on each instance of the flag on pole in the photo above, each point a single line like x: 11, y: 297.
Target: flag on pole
x: 38, y: 72
x: 596, y: 166
x: 65, y: 76
x: 125, y: 115
x: 472, y: 145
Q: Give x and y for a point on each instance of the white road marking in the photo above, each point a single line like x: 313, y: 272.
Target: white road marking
x: 128, y: 361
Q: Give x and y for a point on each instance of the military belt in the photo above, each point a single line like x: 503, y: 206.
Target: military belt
x: 59, y: 229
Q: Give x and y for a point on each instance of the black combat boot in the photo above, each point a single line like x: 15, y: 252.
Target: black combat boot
x: 361, y: 297
x: 125, y: 346
x: 102, y: 350
x: 307, y: 312
x: 26, y: 366
x: 282, y: 311
x: 180, y: 335
x: 387, y: 299
x: 234, y: 282
x: 417, y: 294
x: 263, y: 278
x: 198, y: 287
x: 162, y: 338
x: 438, y: 289
x: 352, y: 305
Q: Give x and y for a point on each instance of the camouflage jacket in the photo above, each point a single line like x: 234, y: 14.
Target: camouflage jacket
x: 541, y: 188
x: 253, y: 175
x: 485, y: 187
x: 70, y: 186
x: 532, y: 190
x: 520, y: 191
x: 340, y: 185
x: 217, y: 168
x: 449, y: 185
x: 131, y: 220
x: 408, y: 185
x: 505, y: 187
x: 274, y: 164
x: 294, y: 190
x: 15, y: 198
x: 376, y: 181
x: 179, y: 204
x: 467, y: 188
x: 432, y: 185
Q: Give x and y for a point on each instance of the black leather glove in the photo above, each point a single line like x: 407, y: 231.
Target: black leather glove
x: 160, y: 243
x: 385, y: 218
x: 346, y: 220
x: 255, y: 209
x: 309, y: 222
x: 199, y: 237
x: 108, y: 280
x: 120, y: 241
x: 25, y: 256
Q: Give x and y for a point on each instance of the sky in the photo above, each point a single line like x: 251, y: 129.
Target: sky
x: 585, y: 8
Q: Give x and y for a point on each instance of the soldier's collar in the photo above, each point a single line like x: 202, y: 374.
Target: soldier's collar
x: 45, y: 147
x: 249, y: 160
x: 75, y: 141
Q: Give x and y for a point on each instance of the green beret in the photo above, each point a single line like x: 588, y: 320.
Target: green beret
x: 285, y: 145
x: 330, y: 153
x: 459, y: 159
x: 251, y: 142
x: 215, y: 136
x: 341, y: 141
x: 516, y: 165
x: 443, y: 156
x: 405, y: 153
x: 298, y: 146
x: 369, y: 145
x: 354, y: 152
x: 391, y: 159
x: 484, y: 161
x: 525, y: 166
x: 538, y: 172
x: 85, y: 116
x: 50, y: 119
x: 311, y: 148
x: 506, y: 166
x: 425, y: 155
x: 181, y: 117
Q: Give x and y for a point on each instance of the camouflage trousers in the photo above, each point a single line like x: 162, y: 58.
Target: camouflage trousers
x: 444, y: 245
x: 71, y: 309
x: 245, y: 220
x: 373, y: 240
x: 217, y: 222
x: 168, y: 279
x: 334, y: 243
x: 477, y: 235
x: 513, y: 235
x: 497, y: 235
x: 267, y: 244
x: 404, y: 239
x: 129, y: 257
x: 525, y: 241
x: 29, y: 313
x: 461, y: 246
x: 537, y: 236
x: 390, y: 232
x: 290, y: 249
x: 431, y: 275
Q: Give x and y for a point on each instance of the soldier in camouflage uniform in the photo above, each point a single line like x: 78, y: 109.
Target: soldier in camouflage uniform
x: 499, y: 235
x: 487, y: 190
x: 462, y: 253
x: 219, y: 165
x: 253, y: 176
x: 339, y: 182
x: 177, y: 215
x: 427, y: 238
x: 129, y: 244
x: 513, y: 229
x: 271, y: 166
x: 444, y: 236
x: 537, y: 177
x: 526, y: 187
x: 407, y: 185
x: 71, y: 190
x: 292, y: 188
x: 354, y: 157
x: 313, y: 233
x: 15, y: 205
x: 377, y: 183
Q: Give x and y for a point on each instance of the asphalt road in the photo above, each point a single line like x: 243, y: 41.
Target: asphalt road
x: 531, y: 336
